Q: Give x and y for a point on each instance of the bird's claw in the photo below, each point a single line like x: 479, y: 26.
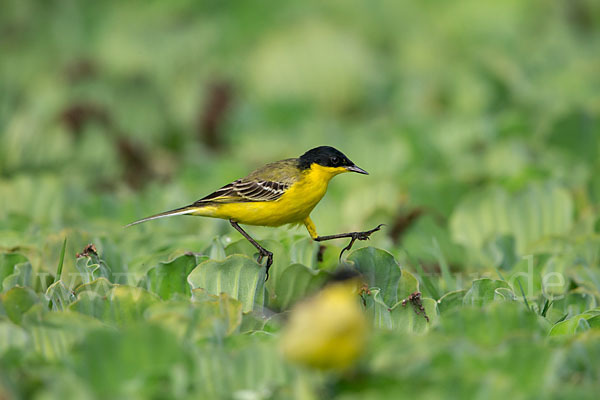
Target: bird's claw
x: 269, y: 255
x: 360, y: 236
x: 365, y: 235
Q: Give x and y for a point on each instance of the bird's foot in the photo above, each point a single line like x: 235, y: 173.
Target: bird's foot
x: 265, y: 253
x: 365, y: 235
x: 359, y: 236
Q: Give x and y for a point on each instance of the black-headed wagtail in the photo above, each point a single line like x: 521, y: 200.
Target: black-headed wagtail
x: 283, y: 192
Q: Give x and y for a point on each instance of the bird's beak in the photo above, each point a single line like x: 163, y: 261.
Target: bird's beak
x: 354, y: 168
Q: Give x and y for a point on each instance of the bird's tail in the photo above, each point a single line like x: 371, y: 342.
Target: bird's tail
x: 177, y: 211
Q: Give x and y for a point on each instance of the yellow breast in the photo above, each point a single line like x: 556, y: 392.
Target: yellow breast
x: 293, y: 207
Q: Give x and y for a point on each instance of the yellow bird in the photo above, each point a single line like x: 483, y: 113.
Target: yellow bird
x: 330, y: 329
x: 283, y: 192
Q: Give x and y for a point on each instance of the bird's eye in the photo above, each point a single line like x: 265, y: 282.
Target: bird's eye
x: 335, y: 160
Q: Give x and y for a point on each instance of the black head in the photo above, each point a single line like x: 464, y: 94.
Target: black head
x: 327, y: 156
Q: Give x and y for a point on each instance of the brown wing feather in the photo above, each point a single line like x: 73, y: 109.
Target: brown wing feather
x: 268, y: 183
x: 246, y: 191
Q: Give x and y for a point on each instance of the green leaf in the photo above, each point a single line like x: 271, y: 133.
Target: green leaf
x: 538, y: 211
x: 482, y: 291
x: 17, y: 301
x: 581, y: 142
x: 304, y: 251
x: 22, y: 276
x: 259, y: 322
x: 402, y: 318
x: 380, y: 270
x: 280, y: 255
x: 252, y: 322
x: 451, y: 300
x: 411, y: 320
x: 213, y: 316
x: 100, y: 286
x: 246, y: 365
x: 527, y: 271
x: 378, y: 310
x: 220, y: 313
x: 59, y: 296
x: 122, y: 304
x: 407, y: 285
x: 167, y: 279
x: 594, y: 321
x: 502, y: 251
x: 241, y: 246
x: 92, y: 268
x: 12, y: 336
x: 574, y: 303
x: 576, y: 324
x: 139, y: 361
x: 8, y: 262
x: 504, y: 294
x: 54, y: 333
x: 61, y: 261
x: 491, y: 325
x: 237, y: 275
x: 216, y: 250
x: 555, y: 282
x: 295, y: 282
x: 584, y: 276
x: 582, y: 326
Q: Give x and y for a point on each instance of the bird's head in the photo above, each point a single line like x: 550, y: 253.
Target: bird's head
x: 328, y: 160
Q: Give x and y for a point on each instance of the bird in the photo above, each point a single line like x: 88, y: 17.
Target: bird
x: 328, y: 330
x: 279, y: 193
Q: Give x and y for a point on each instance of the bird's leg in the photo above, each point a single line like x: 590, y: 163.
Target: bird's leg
x: 354, y: 236
x: 262, y: 252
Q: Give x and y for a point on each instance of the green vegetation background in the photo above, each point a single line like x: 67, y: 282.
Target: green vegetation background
x: 478, y: 122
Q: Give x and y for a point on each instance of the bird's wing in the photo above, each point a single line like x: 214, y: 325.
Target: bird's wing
x: 268, y: 183
x: 246, y: 191
x: 242, y: 190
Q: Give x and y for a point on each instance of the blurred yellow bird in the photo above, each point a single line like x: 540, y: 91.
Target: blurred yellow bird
x: 329, y: 330
x: 283, y: 192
